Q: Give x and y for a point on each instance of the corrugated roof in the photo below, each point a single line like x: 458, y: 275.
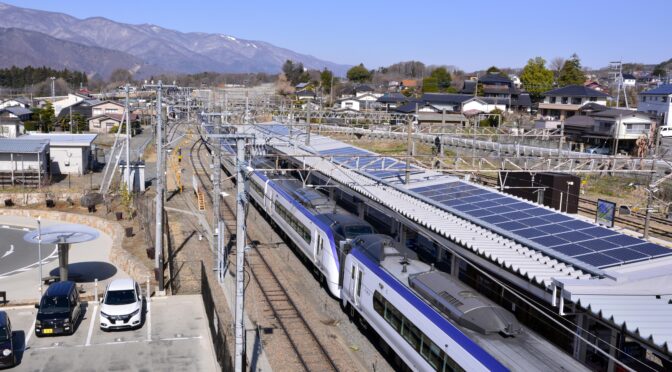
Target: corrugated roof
x: 23, y: 146
x: 645, y: 316
x: 59, y: 139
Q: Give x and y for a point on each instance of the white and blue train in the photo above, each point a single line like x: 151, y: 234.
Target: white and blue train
x: 429, y: 319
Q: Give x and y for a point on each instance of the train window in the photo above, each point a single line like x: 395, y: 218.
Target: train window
x: 352, y: 273
x: 378, y: 304
x: 436, y: 357
x: 411, y: 334
x: 257, y: 188
x: 297, y: 226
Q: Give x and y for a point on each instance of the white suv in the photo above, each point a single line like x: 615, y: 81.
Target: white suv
x: 121, y: 306
x: 666, y: 131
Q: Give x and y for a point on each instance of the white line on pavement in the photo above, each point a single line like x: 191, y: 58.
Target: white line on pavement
x: 30, y: 333
x: 93, y: 321
x: 149, y: 319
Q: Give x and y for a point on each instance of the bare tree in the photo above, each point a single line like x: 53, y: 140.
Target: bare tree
x: 556, y: 64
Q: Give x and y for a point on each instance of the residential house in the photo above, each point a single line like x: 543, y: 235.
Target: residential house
x: 16, y: 112
x: 390, y: 101
x: 409, y: 84
x: 305, y: 95
x: 84, y: 108
x: 70, y: 100
x: 428, y: 113
x: 629, y: 80
x: 304, y: 86
x: 658, y: 102
x: 356, y: 104
x: 107, y: 108
x: 501, y: 89
x: 561, y: 103
x: 362, y: 89
x: 463, y: 103
x: 11, y: 128
x: 20, y: 101
x: 104, y: 123
x: 593, y: 84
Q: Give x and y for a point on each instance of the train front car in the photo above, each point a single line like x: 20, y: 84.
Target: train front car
x: 433, y: 320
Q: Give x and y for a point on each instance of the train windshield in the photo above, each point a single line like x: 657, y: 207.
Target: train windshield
x: 354, y: 231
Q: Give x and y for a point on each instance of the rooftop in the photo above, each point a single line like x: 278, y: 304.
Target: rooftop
x: 16, y: 146
x: 575, y: 91
x: 62, y: 139
x: 664, y: 89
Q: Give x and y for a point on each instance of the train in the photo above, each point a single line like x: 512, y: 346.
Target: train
x: 430, y: 319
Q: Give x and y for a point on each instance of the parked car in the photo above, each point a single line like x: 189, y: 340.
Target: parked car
x: 666, y: 131
x: 58, y: 310
x: 122, y: 305
x: 599, y: 150
x: 7, y: 354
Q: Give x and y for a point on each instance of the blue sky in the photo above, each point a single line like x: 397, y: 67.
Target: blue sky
x: 468, y: 34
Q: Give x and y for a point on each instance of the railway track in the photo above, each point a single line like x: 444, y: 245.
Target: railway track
x: 309, y: 351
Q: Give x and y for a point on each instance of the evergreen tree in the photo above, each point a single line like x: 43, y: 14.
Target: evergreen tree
x: 442, y: 77
x: 536, y: 78
x: 571, y: 73
x: 359, y: 74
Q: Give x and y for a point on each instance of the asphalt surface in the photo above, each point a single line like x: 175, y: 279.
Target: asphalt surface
x: 16, y: 255
x: 174, y: 337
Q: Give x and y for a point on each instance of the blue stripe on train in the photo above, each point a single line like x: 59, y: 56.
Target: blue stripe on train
x: 306, y: 213
x: 437, y: 319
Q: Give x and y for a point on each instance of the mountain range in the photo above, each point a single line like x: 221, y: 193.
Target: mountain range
x: 58, y: 40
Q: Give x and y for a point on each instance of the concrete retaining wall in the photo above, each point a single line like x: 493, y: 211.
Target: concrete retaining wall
x: 28, y: 198
x: 119, y: 257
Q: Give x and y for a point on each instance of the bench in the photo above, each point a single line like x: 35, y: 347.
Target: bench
x: 3, y: 294
x: 54, y: 278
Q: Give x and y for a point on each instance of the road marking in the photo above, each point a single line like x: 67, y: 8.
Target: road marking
x: 5, y: 227
x: 93, y: 321
x: 25, y: 229
x: 53, y: 254
x: 181, y: 338
x: 30, y: 333
x: 149, y: 320
x: 122, y: 342
x: 10, y: 251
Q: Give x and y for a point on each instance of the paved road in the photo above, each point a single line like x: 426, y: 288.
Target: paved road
x: 16, y: 255
x: 174, y: 337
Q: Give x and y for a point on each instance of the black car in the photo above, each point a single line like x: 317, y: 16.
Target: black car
x: 7, y: 355
x: 58, y: 310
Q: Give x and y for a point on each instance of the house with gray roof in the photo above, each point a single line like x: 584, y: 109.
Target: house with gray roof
x: 562, y: 103
x: 658, y: 102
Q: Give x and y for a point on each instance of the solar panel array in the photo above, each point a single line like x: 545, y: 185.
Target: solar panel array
x: 369, y: 163
x: 593, y: 245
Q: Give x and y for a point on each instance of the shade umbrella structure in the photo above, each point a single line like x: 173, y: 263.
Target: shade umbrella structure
x: 63, y: 236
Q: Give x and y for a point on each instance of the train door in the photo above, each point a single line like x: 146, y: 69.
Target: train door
x: 318, y: 249
x: 356, y: 284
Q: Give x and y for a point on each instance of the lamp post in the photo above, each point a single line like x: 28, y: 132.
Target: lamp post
x: 39, y: 252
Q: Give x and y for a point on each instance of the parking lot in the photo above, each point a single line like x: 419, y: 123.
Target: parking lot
x: 174, y: 337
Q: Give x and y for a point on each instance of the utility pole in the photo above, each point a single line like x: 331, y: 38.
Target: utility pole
x: 409, y: 147
x: 651, y: 186
x: 160, y: 174
x: 241, y: 200
x: 53, y: 89
x: 618, y: 133
x: 240, y: 253
x: 308, y: 124
x: 127, y: 174
x: 217, y: 157
x: 562, y: 138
